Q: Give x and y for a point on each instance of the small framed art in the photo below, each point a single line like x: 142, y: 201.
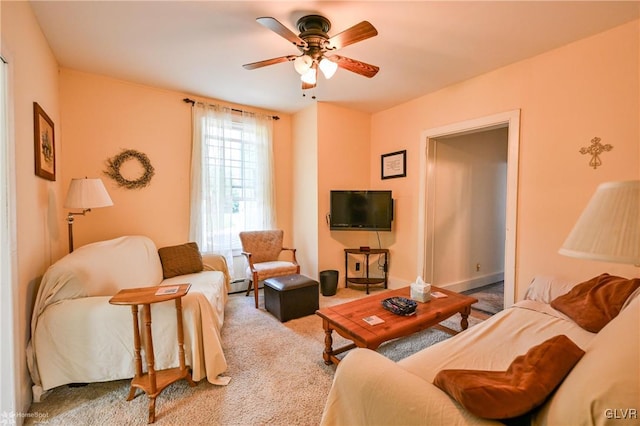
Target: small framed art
x: 394, y: 165
x: 44, y: 144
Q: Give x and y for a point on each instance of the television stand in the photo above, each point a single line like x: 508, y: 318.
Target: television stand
x: 366, y: 281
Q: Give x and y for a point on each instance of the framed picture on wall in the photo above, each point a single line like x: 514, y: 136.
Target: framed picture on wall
x: 394, y: 165
x: 44, y: 144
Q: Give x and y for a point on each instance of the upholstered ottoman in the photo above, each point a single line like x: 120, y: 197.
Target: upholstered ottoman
x: 291, y: 296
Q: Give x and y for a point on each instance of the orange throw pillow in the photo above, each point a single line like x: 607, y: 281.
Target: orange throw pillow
x: 524, y: 386
x: 592, y: 304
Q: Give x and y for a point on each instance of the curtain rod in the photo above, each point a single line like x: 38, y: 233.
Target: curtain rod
x: 191, y: 101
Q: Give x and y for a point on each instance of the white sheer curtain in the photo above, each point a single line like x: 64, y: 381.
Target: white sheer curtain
x: 232, y: 185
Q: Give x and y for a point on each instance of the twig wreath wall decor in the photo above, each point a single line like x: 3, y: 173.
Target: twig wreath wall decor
x: 114, y: 164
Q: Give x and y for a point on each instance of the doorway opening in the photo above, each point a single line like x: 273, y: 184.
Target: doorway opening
x: 432, y: 240
x: 469, y: 223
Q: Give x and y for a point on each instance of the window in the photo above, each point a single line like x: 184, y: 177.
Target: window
x: 232, y: 178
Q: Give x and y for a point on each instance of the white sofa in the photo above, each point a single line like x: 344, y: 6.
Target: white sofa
x: 602, y: 388
x: 78, y: 337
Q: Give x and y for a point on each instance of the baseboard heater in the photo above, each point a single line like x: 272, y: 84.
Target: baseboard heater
x: 239, y: 286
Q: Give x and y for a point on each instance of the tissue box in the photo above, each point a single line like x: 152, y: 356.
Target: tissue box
x: 420, y: 293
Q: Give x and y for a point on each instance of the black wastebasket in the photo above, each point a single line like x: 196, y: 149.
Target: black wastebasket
x: 328, y: 282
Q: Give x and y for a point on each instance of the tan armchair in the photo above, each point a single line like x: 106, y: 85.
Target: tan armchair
x: 262, y: 250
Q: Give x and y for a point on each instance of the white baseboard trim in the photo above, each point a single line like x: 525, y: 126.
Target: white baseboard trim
x: 470, y: 284
x: 475, y: 282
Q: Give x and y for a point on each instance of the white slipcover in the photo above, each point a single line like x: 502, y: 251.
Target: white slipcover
x: 369, y: 389
x: 78, y: 337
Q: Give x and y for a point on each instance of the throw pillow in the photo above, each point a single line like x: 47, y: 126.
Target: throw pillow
x: 180, y: 260
x: 592, y: 304
x: 545, y: 288
x: 525, y: 385
x: 604, y: 388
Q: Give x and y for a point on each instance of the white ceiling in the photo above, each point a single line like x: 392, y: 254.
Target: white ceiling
x: 199, y: 47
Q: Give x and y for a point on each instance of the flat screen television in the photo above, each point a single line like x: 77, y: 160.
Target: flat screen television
x: 361, y: 210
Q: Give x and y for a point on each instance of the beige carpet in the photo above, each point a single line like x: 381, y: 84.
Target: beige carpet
x: 277, y: 375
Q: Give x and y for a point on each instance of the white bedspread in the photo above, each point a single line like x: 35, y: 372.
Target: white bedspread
x: 603, y: 388
x: 369, y: 389
x: 78, y: 337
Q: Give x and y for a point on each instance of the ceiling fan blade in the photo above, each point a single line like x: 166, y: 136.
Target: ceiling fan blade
x: 355, y: 66
x: 260, y: 64
x: 358, y: 32
x: 274, y: 25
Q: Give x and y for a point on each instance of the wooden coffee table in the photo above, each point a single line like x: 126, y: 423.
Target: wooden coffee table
x: 347, y: 319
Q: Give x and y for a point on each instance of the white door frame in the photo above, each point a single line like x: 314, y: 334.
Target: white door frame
x: 10, y: 390
x: 426, y: 196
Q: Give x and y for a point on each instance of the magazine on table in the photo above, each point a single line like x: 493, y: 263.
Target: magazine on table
x: 373, y: 320
x: 170, y: 289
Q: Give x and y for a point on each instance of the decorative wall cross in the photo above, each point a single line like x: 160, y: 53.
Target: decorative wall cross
x: 595, y: 149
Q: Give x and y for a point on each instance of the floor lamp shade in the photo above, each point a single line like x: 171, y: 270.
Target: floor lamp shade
x: 87, y: 194
x: 609, y: 227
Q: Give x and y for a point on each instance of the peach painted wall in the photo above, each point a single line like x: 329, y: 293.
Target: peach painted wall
x: 33, y: 77
x: 305, y: 188
x: 102, y: 116
x: 331, y: 151
x: 343, y: 153
x: 567, y: 97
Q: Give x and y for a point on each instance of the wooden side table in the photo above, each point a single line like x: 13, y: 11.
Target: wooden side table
x: 366, y: 281
x: 153, y: 382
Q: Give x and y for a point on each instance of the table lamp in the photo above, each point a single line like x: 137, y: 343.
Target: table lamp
x: 608, y: 229
x: 85, y: 194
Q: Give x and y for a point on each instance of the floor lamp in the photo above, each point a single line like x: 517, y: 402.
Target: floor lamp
x: 85, y: 194
x: 609, y: 227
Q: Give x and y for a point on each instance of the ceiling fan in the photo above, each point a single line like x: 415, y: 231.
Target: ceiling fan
x: 316, y: 48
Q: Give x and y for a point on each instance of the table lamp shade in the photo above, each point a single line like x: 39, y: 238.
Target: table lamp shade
x: 609, y: 227
x: 87, y: 194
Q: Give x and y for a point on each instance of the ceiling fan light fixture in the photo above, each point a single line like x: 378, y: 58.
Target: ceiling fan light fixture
x: 309, y: 77
x: 328, y: 67
x: 313, y: 42
x: 302, y: 64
